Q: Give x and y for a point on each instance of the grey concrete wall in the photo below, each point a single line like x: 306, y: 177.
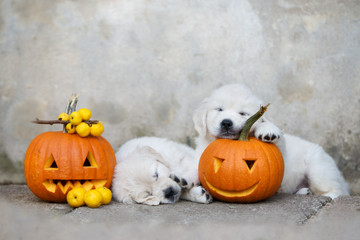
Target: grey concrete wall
x: 142, y: 66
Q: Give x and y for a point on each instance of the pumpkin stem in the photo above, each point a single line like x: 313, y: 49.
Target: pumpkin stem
x: 71, y: 106
x: 244, y: 134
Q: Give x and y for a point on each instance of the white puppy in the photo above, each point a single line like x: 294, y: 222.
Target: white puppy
x: 152, y: 170
x: 308, y: 168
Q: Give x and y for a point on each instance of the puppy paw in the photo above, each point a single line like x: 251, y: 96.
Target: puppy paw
x: 271, y: 138
x: 174, y: 178
x: 267, y: 132
x: 150, y: 200
x: 304, y: 191
x: 197, y: 194
x: 183, y: 183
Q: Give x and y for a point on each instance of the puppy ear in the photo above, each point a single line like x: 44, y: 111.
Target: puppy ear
x: 150, y: 152
x: 199, y: 117
x: 147, y: 150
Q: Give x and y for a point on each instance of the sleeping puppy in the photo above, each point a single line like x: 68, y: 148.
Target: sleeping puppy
x: 152, y: 170
x: 308, y: 168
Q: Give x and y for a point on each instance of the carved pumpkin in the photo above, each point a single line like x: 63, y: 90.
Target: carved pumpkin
x: 244, y: 170
x: 56, y: 162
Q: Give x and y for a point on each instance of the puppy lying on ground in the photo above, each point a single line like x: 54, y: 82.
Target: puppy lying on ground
x: 152, y: 170
x: 307, y: 167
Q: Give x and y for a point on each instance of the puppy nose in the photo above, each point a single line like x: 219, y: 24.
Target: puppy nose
x: 170, y: 192
x: 226, y: 124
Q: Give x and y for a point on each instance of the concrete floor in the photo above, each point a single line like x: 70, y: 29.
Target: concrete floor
x: 282, y: 216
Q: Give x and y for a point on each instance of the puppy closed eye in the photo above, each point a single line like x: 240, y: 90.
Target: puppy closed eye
x: 219, y: 109
x: 156, y: 176
x: 243, y: 113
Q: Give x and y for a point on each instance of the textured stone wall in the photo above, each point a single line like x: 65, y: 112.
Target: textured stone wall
x: 143, y: 66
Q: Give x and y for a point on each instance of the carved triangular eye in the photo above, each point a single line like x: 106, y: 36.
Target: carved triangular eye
x: 51, y: 163
x: 217, y: 163
x: 90, y: 161
x: 250, y: 164
x: 87, y: 163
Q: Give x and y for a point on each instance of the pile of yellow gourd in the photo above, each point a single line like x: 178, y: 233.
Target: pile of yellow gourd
x: 78, y: 123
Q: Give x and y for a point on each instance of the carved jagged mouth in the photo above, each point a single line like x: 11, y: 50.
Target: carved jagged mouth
x: 67, y: 185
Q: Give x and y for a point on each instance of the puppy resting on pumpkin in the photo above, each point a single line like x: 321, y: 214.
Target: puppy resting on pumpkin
x: 308, y: 168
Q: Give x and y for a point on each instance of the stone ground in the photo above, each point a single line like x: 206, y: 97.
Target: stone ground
x: 283, y: 216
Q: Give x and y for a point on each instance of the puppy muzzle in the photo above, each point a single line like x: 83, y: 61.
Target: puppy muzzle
x: 171, y: 195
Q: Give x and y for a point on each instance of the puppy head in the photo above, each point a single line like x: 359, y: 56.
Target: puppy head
x: 143, y: 177
x: 224, y: 113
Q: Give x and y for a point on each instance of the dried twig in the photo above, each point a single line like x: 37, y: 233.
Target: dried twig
x: 51, y: 122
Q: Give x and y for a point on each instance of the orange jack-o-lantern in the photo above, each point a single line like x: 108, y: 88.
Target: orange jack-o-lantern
x: 56, y: 162
x: 244, y: 170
